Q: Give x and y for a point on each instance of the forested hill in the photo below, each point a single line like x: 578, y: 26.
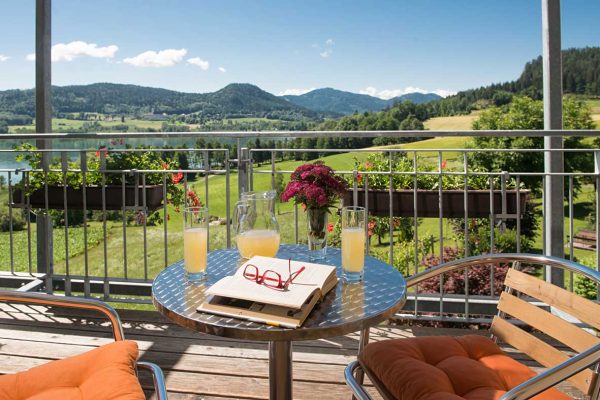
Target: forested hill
x: 234, y: 100
x: 328, y: 100
x: 581, y: 75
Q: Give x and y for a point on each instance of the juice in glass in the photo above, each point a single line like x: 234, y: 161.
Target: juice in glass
x: 258, y: 242
x: 195, y: 242
x: 353, y: 243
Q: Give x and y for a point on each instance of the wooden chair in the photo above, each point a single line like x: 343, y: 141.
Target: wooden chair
x: 107, y: 372
x: 473, y: 367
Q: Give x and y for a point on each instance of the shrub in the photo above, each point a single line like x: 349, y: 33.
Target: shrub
x: 403, y: 257
x: 585, y: 287
x: 478, y: 278
x: 18, y: 224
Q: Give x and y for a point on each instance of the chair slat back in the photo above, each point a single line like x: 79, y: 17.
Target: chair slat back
x: 582, y: 309
x: 538, y: 350
x: 569, y: 334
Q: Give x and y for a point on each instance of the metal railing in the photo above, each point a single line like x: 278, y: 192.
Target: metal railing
x: 95, y: 270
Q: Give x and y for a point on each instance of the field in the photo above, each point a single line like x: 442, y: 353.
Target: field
x: 69, y: 125
x: 455, y: 123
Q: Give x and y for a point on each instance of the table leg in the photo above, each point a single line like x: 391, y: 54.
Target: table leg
x: 280, y: 370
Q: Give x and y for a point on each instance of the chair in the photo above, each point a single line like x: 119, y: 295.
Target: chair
x: 107, y: 372
x: 474, y: 367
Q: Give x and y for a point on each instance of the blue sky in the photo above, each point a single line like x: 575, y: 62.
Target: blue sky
x: 379, y: 47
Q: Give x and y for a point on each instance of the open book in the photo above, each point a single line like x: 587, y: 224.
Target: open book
x: 239, y: 297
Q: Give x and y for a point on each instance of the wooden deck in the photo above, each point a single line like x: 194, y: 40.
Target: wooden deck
x: 196, y: 366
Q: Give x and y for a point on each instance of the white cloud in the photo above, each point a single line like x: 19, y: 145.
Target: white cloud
x: 387, y: 94
x: 162, y: 58
x: 326, y: 49
x: 222, y: 69
x: 199, y: 62
x: 444, y: 93
x: 3, y: 58
x: 295, y: 91
x: 76, y: 49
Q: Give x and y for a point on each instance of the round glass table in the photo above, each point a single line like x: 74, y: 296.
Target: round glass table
x: 347, y: 308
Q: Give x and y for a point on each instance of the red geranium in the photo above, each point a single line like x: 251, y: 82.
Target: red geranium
x: 102, y: 150
x: 177, y: 177
x: 314, y: 185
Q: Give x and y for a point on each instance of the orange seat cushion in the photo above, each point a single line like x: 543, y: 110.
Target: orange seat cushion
x: 447, y: 368
x: 105, y: 373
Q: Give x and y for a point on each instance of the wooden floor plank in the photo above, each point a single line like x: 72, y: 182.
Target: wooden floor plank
x: 196, y: 366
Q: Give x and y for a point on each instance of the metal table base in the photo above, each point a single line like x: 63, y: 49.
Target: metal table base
x: 280, y: 370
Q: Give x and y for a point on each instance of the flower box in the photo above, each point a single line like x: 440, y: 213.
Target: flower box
x: 428, y: 202
x: 113, y: 195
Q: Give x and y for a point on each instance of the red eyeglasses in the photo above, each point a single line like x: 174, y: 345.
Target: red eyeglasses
x: 270, y: 278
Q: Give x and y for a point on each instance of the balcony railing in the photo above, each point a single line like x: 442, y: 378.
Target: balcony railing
x: 104, y: 239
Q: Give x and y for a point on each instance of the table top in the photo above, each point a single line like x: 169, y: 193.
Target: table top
x: 349, y: 307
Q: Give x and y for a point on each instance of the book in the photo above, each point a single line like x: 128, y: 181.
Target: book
x: 240, y: 297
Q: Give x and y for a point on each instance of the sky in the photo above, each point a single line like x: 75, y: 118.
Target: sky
x: 380, y: 47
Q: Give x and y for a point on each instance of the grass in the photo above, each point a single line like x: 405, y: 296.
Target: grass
x: 21, y: 245
x: 454, y: 123
x: 66, y: 125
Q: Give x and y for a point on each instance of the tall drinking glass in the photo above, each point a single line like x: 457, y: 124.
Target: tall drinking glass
x: 353, y: 243
x: 195, y: 242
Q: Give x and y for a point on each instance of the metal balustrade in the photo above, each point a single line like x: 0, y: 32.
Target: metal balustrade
x: 90, y: 271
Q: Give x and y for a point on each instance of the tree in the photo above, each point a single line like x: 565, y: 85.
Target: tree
x: 526, y: 113
x: 2, y: 182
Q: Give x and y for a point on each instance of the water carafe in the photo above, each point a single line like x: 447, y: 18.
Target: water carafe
x: 255, y: 225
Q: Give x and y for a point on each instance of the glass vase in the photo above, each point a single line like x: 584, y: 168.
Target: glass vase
x: 317, y: 233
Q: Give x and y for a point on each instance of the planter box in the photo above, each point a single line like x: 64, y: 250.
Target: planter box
x: 428, y: 202
x: 114, y: 197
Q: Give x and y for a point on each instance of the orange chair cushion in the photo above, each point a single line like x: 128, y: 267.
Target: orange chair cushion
x: 105, y: 373
x: 448, y: 368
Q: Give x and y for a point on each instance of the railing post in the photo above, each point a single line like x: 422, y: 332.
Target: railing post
x: 43, y: 124
x: 243, y: 170
x: 553, y: 160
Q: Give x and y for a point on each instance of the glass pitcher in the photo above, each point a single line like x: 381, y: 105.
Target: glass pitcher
x: 255, y: 225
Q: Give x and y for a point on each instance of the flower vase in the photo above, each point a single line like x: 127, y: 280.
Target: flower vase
x: 317, y: 233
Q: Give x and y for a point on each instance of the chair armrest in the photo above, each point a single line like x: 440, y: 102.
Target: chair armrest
x: 556, y: 375
x: 358, y: 391
x: 10, y: 296
x: 157, y: 377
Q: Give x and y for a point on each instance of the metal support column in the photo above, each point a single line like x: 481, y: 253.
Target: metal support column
x: 243, y: 171
x: 553, y: 161
x: 43, y: 123
x: 280, y: 370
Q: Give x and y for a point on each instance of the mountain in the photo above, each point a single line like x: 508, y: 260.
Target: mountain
x: 581, y: 76
x: 339, y: 102
x: 234, y: 100
x: 416, y: 97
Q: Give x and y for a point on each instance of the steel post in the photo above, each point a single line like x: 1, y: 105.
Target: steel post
x: 243, y: 171
x: 553, y: 161
x: 280, y: 370
x: 43, y: 124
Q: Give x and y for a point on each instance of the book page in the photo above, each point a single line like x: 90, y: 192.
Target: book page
x: 306, y: 283
x: 313, y: 274
x: 245, y: 289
